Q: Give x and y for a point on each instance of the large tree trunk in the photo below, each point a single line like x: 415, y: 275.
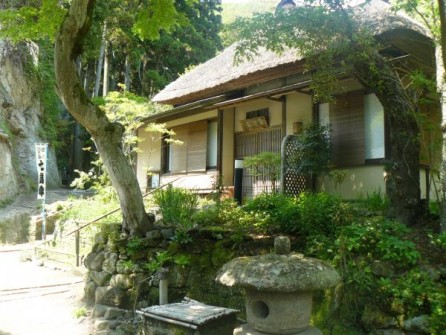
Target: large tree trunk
x: 107, y: 136
x: 440, y: 58
x: 441, y: 87
x: 402, y: 168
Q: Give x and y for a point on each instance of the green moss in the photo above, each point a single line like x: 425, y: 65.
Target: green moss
x: 221, y: 255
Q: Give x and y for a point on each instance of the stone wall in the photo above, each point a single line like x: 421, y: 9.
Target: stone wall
x: 125, y: 281
x: 121, y: 277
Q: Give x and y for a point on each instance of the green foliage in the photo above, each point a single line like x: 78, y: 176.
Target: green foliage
x: 374, y: 202
x: 438, y: 240
x: 280, y: 211
x: 416, y: 294
x: 177, y: 207
x: 6, y: 202
x: 379, y: 239
x: 128, y: 109
x: 161, y: 15
x: 228, y: 215
x: 371, y: 255
x: 158, y: 261
x: 264, y: 166
x: 80, y: 312
x: 313, y: 151
x: 134, y: 246
x: 26, y: 22
x: 87, y: 209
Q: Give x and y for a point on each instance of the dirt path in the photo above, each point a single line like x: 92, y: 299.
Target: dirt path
x: 38, y: 300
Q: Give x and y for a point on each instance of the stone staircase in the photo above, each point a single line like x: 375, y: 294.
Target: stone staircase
x: 21, y: 222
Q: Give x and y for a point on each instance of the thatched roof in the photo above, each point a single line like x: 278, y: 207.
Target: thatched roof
x: 220, y: 74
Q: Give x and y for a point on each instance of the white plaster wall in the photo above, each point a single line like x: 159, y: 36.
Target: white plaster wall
x: 359, y: 181
x: 364, y: 180
x: 197, y: 117
x: 299, y: 109
x: 149, y: 156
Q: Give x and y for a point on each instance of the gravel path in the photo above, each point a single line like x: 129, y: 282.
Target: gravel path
x: 37, y: 300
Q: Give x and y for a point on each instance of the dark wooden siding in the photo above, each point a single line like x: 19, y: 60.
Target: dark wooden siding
x: 347, y: 123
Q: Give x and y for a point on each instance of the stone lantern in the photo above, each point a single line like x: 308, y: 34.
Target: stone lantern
x: 279, y: 289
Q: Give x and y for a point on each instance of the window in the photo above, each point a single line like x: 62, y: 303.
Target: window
x: 212, y: 140
x: 166, y: 154
x: 324, y: 116
x: 191, y: 155
x: 373, y: 127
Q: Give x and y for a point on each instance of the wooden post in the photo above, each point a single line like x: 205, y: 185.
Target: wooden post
x: 77, y: 243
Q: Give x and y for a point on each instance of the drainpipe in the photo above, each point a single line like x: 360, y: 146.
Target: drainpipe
x: 163, y: 285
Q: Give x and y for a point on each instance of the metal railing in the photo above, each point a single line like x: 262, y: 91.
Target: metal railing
x: 77, y: 231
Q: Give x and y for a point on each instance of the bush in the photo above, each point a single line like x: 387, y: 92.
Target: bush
x: 415, y: 294
x: 280, y: 211
x: 321, y: 214
x: 177, y: 206
x: 229, y: 215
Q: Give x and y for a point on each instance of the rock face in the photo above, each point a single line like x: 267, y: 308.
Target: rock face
x: 20, y: 114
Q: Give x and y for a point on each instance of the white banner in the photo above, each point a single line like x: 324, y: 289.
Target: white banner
x: 41, y: 157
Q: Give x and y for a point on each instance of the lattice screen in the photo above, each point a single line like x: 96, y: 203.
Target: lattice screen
x: 292, y: 182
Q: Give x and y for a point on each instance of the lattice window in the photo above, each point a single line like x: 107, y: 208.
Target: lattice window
x: 292, y: 182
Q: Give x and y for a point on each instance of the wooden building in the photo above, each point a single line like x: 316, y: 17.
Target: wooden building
x: 224, y: 111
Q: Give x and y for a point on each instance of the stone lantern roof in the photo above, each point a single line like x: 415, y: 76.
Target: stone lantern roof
x: 279, y: 272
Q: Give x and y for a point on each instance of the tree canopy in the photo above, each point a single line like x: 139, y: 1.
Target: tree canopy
x: 75, y: 27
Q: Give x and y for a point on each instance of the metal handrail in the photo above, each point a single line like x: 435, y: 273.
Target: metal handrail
x: 117, y: 209
x: 77, y: 230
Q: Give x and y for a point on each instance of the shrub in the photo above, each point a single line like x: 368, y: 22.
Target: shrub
x: 378, y: 264
x: 379, y: 239
x: 177, y: 206
x: 313, y: 152
x: 321, y: 215
x: 266, y: 167
x: 280, y: 211
x: 415, y: 293
x: 229, y: 215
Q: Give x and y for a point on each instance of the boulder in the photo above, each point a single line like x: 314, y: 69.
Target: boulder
x: 110, y: 296
x: 373, y: 318
x: 109, y: 264
x: 113, y: 313
x: 121, y: 281
x: 100, y: 278
x: 419, y: 324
